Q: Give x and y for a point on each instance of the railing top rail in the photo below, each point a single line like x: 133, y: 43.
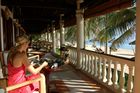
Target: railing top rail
x: 114, y: 58
x: 110, y: 57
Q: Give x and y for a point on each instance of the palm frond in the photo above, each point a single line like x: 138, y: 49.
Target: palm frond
x: 70, y: 33
x: 121, y: 39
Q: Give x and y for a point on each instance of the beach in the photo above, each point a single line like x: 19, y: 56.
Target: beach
x: 126, y: 53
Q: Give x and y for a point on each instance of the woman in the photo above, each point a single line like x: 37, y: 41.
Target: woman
x: 18, y: 63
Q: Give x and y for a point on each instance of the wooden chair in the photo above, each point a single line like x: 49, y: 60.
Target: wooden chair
x: 3, y: 79
x: 3, y: 71
x: 41, y: 80
x: 3, y: 58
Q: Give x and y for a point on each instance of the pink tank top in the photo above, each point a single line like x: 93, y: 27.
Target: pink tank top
x: 17, y: 75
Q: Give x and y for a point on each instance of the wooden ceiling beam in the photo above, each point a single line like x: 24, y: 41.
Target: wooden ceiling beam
x: 107, y: 7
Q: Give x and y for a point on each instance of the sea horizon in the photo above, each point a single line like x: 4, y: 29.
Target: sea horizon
x: 123, y: 46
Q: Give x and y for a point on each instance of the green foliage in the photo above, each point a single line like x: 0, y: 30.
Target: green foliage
x: 35, y: 37
x: 116, y: 27
x: 70, y: 34
x: 119, y: 25
x: 58, y: 51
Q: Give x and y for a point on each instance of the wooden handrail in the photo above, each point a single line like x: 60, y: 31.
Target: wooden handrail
x: 41, y: 80
x: 34, y: 56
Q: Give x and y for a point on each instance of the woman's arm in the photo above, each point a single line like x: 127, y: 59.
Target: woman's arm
x: 30, y: 67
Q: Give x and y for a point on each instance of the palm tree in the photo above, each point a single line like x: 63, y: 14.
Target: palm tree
x: 70, y: 34
x: 92, y: 28
x: 116, y: 26
x: 120, y: 25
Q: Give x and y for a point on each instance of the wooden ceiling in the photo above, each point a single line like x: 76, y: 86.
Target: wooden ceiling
x: 36, y: 15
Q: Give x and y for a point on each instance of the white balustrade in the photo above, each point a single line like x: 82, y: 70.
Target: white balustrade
x: 130, y: 79
x: 99, y: 68
x: 109, y: 70
x: 95, y: 64
x: 115, y: 76
x: 109, y: 73
x: 92, y: 65
x: 82, y: 61
x: 122, y: 78
x: 89, y: 63
x: 85, y: 62
x: 104, y: 71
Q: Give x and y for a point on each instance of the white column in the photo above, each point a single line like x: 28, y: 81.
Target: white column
x: 48, y: 34
x: 57, y: 39
x: 53, y: 39
x: 50, y: 37
x: 137, y: 57
x: 13, y: 33
x: 17, y: 28
x: 62, y: 39
x: 80, y: 33
x: 1, y: 30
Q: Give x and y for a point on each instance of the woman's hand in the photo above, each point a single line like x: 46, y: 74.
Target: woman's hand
x: 45, y: 63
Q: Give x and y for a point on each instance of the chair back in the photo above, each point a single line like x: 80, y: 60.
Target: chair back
x: 3, y: 70
x: 3, y: 57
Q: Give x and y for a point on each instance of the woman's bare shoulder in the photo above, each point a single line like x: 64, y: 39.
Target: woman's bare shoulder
x: 19, y: 55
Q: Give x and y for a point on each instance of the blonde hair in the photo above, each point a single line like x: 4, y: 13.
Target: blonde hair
x: 21, y: 40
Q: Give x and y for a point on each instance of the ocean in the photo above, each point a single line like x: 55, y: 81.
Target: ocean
x: 123, y: 46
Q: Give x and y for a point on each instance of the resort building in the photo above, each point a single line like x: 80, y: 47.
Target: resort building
x: 54, y: 25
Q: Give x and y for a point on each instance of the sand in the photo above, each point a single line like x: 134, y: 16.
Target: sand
x: 120, y: 52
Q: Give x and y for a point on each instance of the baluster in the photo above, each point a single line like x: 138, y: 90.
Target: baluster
x: 82, y: 63
x: 99, y: 68
x: 95, y: 64
x: 130, y: 79
x: 104, y: 71
x: 91, y: 65
x: 109, y: 73
x: 81, y: 60
x: 85, y: 62
x: 72, y: 57
x: 92, y: 72
x: 115, y: 76
x: 75, y: 58
x: 72, y: 54
x: 122, y: 79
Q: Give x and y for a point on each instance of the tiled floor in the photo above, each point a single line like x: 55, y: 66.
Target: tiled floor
x: 68, y: 80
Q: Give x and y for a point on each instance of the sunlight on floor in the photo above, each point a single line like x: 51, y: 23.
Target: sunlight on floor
x: 69, y: 80
x: 76, y: 86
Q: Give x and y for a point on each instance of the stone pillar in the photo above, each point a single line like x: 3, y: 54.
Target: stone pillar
x: 137, y: 56
x: 1, y: 30
x: 53, y: 39
x: 48, y: 33
x: 57, y: 39
x: 17, y: 28
x: 47, y: 36
x: 80, y: 31
x: 62, y: 39
x: 13, y: 31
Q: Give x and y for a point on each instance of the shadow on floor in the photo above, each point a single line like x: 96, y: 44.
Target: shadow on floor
x: 69, y: 80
